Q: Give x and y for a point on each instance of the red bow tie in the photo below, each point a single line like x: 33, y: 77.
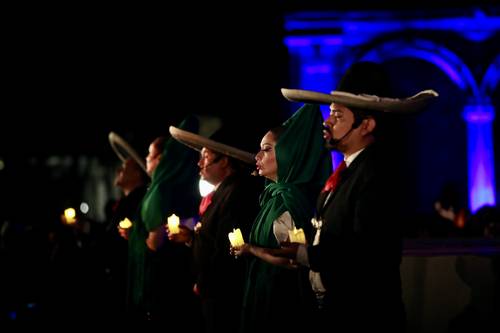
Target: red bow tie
x: 205, y: 202
x: 334, y: 179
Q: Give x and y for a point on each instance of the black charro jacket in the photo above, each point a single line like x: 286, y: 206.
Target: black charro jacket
x: 359, y: 253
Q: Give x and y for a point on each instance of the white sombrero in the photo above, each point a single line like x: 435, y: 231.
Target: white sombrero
x: 363, y: 101
x: 197, y: 142
x: 124, y: 150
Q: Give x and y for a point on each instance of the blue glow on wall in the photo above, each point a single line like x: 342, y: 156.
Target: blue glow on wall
x: 477, y: 27
x: 481, y: 178
x: 323, y: 57
x: 491, y: 78
x: 316, y: 69
x: 428, y: 51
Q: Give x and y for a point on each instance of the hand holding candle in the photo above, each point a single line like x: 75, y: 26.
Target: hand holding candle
x: 173, y: 224
x: 125, y: 224
x: 236, y: 238
x: 297, y: 236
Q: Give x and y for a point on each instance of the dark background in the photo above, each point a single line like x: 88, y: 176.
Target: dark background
x: 138, y: 69
x: 73, y: 73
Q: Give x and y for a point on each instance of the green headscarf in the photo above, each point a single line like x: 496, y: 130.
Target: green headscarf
x: 304, y: 164
x: 177, y: 170
x: 172, y: 190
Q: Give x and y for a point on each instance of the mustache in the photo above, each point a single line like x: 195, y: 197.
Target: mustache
x: 330, y: 143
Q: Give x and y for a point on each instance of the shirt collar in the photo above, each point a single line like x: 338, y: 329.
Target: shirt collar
x: 348, y: 160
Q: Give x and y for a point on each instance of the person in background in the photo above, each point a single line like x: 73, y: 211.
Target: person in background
x: 159, y: 279
x: 233, y: 203
x: 132, y: 181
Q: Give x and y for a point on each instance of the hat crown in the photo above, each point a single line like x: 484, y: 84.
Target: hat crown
x: 366, y: 77
x: 233, y: 136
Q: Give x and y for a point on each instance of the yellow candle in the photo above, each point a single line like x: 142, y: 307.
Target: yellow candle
x: 70, y: 215
x: 173, y: 224
x: 236, y: 238
x: 125, y: 224
x: 297, y: 236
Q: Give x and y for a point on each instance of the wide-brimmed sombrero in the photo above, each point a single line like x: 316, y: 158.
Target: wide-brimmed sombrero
x: 363, y: 101
x: 197, y: 142
x: 124, y: 151
x: 365, y: 85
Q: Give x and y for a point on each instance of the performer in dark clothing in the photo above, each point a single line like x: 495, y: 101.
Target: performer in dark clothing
x: 355, y: 257
x: 233, y: 204
x: 133, y: 182
x: 159, y: 284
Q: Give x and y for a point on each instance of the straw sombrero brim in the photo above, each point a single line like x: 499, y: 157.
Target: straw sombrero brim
x: 369, y: 102
x: 197, y: 142
x: 124, y: 150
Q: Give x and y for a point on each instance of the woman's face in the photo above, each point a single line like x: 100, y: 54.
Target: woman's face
x: 153, y: 158
x: 266, y: 158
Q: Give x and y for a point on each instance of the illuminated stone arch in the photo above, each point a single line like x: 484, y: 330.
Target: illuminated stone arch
x: 492, y: 77
x: 478, y: 113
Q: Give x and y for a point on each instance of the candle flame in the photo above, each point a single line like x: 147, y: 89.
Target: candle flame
x: 125, y: 223
x: 297, y: 236
x: 236, y: 238
x: 173, y: 224
x: 70, y: 215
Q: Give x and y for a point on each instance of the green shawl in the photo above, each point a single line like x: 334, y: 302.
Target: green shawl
x: 175, y: 177
x: 304, y: 164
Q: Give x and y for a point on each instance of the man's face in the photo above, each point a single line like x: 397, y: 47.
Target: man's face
x: 337, y: 127
x: 210, y: 166
x: 128, y: 174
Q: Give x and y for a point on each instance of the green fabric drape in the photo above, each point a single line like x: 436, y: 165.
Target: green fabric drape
x: 177, y: 167
x: 175, y: 175
x: 304, y: 164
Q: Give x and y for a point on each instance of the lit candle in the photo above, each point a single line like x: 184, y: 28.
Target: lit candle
x: 125, y: 224
x: 297, y: 236
x: 173, y: 224
x: 70, y: 215
x: 236, y: 238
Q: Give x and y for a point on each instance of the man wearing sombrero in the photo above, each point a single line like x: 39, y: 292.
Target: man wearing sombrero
x: 233, y: 204
x: 356, y: 253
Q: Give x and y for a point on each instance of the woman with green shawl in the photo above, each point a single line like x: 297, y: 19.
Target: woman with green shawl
x: 160, y: 282
x: 294, y: 159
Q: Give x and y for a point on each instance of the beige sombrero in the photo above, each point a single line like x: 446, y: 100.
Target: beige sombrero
x: 124, y: 150
x: 363, y: 101
x: 197, y: 142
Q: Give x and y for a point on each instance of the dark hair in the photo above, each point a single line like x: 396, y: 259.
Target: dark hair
x: 159, y: 143
x: 277, y: 131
